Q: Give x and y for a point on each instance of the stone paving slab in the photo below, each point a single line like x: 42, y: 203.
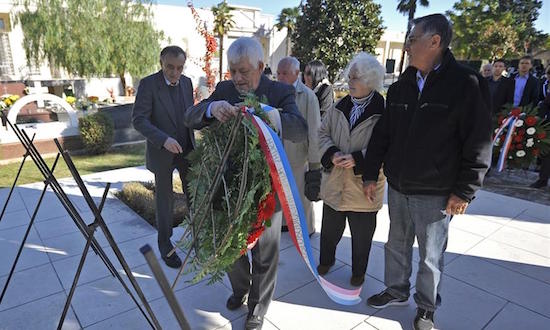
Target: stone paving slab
x: 497, y: 270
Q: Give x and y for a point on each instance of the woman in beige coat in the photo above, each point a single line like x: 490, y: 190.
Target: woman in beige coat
x: 344, y: 136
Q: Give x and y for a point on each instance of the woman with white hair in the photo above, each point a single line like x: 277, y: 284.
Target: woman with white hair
x: 344, y: 135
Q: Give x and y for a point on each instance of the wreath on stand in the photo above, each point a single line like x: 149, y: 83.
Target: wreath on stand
x: 231, y: 193
x: 521, y: 136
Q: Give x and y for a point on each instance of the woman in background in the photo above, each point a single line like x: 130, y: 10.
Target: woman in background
x: 316, y: 78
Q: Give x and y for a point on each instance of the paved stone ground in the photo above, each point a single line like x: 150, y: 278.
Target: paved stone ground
x: 515, y: 183
x: 497, y: 271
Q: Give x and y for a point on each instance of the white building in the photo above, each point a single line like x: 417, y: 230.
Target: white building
x: 179, y: 28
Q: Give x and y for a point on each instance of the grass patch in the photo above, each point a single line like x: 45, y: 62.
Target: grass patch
x: 140, y: 197
x: 117, y: 157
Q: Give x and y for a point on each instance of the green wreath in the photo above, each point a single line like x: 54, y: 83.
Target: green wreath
x: 231, y: 193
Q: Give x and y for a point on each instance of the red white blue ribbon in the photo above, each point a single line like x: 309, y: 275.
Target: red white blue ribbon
x: 289, y: 197
x: 509, y: 123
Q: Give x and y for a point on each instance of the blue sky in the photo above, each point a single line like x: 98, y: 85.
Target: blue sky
x: 393, y: 20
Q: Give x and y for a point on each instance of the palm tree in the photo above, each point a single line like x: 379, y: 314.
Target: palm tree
x: 408, y: 7
x: 223, y: 22
x: 287, y: 18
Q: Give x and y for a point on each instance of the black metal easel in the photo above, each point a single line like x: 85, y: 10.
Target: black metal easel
x: 86, y: 230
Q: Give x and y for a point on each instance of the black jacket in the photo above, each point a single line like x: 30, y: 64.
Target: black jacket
x: 436, y: 142
x: 531, y: 91
x: 504, y: 93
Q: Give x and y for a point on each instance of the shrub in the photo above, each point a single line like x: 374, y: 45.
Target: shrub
x: 97, y: 132
x: 140, y: 197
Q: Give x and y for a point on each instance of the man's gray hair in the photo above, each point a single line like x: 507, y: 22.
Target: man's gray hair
x: 290, y: 61
x: 436, y: 24
x: 245, y: 47
x: 368, y: 69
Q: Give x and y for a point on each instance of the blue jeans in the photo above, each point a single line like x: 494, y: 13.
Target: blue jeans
x: 420, y: 216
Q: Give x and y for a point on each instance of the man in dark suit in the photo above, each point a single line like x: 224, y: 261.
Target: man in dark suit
x: 501, y: 88
x: 544, y: 112
x: 161, y: 101
x: 526, y: 86
x: 245, y: 58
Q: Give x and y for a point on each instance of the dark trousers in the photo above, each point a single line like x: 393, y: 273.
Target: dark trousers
x: 544, y: 173
x: 164, y: 202
x: 259, y: 282
x: 362, y: 226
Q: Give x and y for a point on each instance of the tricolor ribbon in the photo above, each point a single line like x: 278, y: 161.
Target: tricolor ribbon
x: 289, y: 197
x: 509, y: 123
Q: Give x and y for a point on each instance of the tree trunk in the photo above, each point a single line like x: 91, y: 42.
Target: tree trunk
x: 122, y: 82
x: 221, y: 57
x: 288, y: 45
x: 409, y: 27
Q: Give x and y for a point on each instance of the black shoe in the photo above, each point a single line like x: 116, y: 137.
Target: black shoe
x: 173, y: 261
x: 385, y: 299
x: 284, y: 229
x: 254, y: 322
x: 323, y: 269
x: 357, y: 280
x: 539, y: 184
x: 235, y: 302
x: 424, y: 320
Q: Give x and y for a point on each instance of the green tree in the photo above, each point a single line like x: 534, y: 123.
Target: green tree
x: 91, y: 37
x: 408, y: 7
x: 333, y: 31
x: 223, y: 22
x: 490, y: 29
x: 287, y: 19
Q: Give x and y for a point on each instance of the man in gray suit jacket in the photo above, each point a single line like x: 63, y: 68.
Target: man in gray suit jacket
x: 161, y: 101
x: 245, y: 58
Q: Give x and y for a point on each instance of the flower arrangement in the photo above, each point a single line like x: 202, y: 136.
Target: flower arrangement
x: 521, y: 136
x: 71, y: 100
x: 6, y: 101
x: 242, y: 205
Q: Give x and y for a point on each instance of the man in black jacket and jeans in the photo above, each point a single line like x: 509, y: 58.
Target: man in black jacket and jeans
x: 434, y: 140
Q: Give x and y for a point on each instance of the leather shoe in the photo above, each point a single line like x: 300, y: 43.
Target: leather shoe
x: 323, y: 269
x: 173, y: 261
x: 254, y: 322
x: 539, y: 184
x: 357, y: 280
x: 235, y: 302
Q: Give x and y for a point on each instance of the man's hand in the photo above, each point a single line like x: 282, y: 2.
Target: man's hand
x: 369, y: 189
x: 456, y: 205
x: 173, y: 146
x: 223, y: 111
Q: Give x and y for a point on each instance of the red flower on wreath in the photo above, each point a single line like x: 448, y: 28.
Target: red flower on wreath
x: 518, y: 138
x: 500, y: 120
x: 535, y: 152
x: 266, y: 208
x: 531, y: 120
x: 521, y: 132
x: 515, y: 112
x: 541, y: 135
x: 519, y: 146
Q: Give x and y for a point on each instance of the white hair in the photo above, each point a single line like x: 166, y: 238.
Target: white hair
x: 368, y: 69
x: 291, y: 61
x: 245, y: 47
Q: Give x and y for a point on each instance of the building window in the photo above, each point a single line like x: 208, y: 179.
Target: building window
x: 6, y: 60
